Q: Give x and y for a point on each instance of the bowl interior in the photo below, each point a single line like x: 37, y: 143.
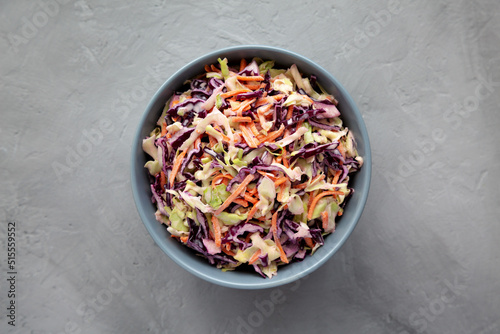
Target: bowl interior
x: 187, y: 258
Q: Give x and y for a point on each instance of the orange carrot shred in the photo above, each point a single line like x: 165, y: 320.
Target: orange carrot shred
x: 227, y: 249
x: 219, y: 177
x: 217, y: 234
x: 290, y: 112
x: 277, y: 241
x: 269, y: 175
x: 336, y: 177
x: 253, y: 191
x: 318, y: 197
x: 281, y: 193
x: 252, y: 211
x: 235, y: 194
x: 309, y: 242
x: 243, y: 64
x: 176, y: 166
x: 234, y: 93
x: 250, y: 198
x: 163, y: 128
x: 184, y: 239
x: 254, y: 257
x: 250, y: 78
x: 247, y: 134
x: 214, y: 69
x: 341, y: 149
x: 324, y: 219
x: 318, y: 178
x: 280, y: 180
x: 163, y: 180
x: 240, y: 119
x: 278, y: 97
x: 273, y: 135
x: 241, y: 202
x: 254, y: 130
x: 252, y: 85
x: 285, y: 160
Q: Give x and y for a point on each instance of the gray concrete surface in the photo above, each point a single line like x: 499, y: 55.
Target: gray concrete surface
x: 425, y: 255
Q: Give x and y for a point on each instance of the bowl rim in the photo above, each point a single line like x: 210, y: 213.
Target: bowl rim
x: 309, y: 264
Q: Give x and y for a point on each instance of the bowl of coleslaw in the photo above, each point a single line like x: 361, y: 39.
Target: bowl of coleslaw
x: 251, y: 167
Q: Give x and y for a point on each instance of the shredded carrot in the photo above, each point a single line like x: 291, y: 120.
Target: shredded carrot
x: 163, y: 180
x: 243, y: 64
x: 240, y: 119
x: 217, y: 234
x: 252, y: 85
x: 225, y: 181
x: 273, y: 135
x: 281, y: 193
x: 197, y: 141
x: 250, y: 198
x: 235, y: 194
x: 269, y: 175
x: 324, y: 219
x: 261, y: 101
x: 317, y: 178
x: 241, y: 202
x: 253, y: 191
x: 309, y: 242
x: 249, y: 78
x: 253, y: 128
x: 280, y: 180
x: 254, y: 257
x: 234, y: 93
x: 207, y: 68
x: 176, y: 166
x: 264, y: 108
x: 341, y: 149
x: 278, y: 97
x: 302, y: 185
x: 163, y: 128
x: 219, y: 177
x: 244, y: 106
x: 340, y: 213
x: 311, y: 197
x: 290, y: 112
x: 248, y: 136
x: 252, y: 211
x: 227, y: 249
x: 336, y: 177
x: 318, y: 197
x: 214, y: 69
x: 184, y: 239
x: 277, y: 241
x: 285, y: 160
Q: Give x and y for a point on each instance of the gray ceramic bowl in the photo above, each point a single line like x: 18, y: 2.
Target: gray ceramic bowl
x: 185, y: 257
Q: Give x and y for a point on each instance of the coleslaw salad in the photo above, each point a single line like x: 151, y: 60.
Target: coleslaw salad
x: 250, y: 165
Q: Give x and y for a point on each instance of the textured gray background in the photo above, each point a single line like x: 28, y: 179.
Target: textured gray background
x: 425, y: 255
